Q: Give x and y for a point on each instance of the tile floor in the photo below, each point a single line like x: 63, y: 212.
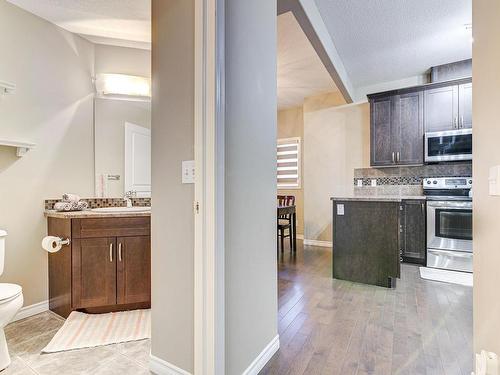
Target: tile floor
x: 27, y: 337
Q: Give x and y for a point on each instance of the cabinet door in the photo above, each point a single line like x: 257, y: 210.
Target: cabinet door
x: 465, y: 105
x: 382, y: 151
x: 441, y: 109
x: 409, y: 124
x: 413, y: 244
x: 94, y: 272
x: 134, y: 269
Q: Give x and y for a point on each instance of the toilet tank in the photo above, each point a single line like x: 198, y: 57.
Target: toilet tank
x: 3, y: 234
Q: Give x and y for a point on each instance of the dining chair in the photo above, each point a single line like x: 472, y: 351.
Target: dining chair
x: 285, y: 221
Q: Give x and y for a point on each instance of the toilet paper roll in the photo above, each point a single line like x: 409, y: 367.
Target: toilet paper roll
x: 51, y: 244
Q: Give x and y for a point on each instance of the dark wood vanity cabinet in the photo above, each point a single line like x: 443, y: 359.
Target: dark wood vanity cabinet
x: 107, y: 266
x: 412, y: 239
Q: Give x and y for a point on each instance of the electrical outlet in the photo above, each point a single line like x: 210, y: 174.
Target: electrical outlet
x: 340, y: 209
x: 360, y: 182
x: 374, y: 182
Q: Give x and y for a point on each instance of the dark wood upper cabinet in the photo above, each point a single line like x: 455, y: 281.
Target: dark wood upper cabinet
x: 94, y: 277
x: 441, y: 109
x: 412, y: 231
x: 397, y: 129
x: 382, y: 150
x: 465, y: 105
x: 399, y: 119
x: 134, y: 269
x: 409, y: 122
x: 448, y: 108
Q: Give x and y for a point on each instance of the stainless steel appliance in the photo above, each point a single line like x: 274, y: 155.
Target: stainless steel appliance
x: 448, y: 145
x: 449, y: 223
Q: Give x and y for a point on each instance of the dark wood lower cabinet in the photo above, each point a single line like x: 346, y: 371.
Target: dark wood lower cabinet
x: 107, y: 268
x: 412, y: 231
x: 134, y: 269
x: 94, y: 272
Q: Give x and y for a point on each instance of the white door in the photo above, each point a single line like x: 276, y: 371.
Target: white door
x: 138, y: 159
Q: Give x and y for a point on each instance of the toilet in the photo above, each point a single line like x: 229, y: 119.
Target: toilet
x: 11, y: 301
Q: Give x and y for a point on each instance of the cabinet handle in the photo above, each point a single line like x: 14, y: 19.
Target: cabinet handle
x: 455, y: 123
x: 111, y: 252
x: 120, y: 252
x: 393, y: 158
x: 397, y: 156
x: 461, y: 122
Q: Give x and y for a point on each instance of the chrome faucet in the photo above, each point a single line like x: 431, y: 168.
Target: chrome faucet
x: 128, y: 197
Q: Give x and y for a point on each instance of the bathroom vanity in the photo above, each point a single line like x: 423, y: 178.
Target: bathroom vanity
x: 107, y: 265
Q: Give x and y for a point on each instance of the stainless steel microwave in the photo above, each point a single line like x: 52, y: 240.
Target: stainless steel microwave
x: 448, y: 145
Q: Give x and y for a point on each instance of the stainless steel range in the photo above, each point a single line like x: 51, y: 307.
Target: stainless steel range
x: 449, y: 223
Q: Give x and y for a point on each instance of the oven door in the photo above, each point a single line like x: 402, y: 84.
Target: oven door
x: 449, y: 225
x: 448, y: 145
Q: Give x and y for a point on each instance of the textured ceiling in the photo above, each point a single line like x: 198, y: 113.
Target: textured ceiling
x: 102, y: 21
x: 386, y: 40
x: 300, y: 71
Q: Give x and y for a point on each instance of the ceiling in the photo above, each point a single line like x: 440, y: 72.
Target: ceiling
x: 116, y: 22
x: 300, y: 71
x: 388, y: 40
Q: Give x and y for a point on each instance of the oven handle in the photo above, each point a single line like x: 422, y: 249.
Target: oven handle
x: 450, y: 205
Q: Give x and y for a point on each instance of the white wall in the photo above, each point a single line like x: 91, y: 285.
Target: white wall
x: 250, y: 187
x: 486, y: 95
x: 51, y: 107
x: 336, y: 140
x: 172, y: 212
x: 122, y: 60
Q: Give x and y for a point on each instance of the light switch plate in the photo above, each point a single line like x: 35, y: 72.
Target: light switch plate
x: 374, y: 182
x: 188, y: 172
x: 360, y: 182
x: 494, y: 180
x: 340, y: 209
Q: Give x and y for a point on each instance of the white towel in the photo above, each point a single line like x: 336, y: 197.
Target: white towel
x: 70, y: 198
x: 71, y: 206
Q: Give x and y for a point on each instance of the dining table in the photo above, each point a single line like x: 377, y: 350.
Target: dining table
x: 290, y: 210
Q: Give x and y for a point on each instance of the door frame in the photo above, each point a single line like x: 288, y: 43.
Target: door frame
x: 209, y: 343
x: 130, y: 128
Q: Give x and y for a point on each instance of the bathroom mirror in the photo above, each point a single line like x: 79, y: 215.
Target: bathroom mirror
x: 122, y: 147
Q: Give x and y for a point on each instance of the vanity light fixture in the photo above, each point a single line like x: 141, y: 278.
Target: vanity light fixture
x: 122, y: 86
x: 6, y: 87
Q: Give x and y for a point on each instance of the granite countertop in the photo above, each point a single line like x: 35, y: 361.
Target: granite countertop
x: 93, y: 214
x: 380, y: 198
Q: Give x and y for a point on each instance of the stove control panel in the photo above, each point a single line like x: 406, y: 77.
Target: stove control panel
x: 448, y: 183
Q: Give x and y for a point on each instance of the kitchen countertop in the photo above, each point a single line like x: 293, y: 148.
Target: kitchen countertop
x: 93, y: 214
x: 381, y: 198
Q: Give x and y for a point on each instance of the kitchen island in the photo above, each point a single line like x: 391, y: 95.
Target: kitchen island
x: 367, y: 238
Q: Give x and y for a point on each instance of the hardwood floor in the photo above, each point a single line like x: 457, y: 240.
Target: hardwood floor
x: 334, y: 327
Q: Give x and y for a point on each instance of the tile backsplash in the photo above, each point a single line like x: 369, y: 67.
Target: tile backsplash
x: 104, y: 202
x: 404, y: 180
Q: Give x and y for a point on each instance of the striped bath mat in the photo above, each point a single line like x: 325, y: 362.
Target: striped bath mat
x: 88, y: 330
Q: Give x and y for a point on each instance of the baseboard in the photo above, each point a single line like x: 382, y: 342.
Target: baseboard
x: 318, y: 243
x: 31, y: 310
x: 264, y: 357
x: 160, y: 367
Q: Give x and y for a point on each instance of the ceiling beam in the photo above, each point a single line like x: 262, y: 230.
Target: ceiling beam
x: 307, y: 14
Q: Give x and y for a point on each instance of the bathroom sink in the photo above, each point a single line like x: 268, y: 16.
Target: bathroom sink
x: 122, y: 209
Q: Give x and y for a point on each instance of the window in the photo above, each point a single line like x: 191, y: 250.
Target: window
x: 288, y: 154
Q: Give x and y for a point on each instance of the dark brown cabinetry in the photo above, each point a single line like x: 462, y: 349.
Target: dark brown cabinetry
x: 399, y: 119
x: 107, y: 266
x: 397, y: 129
x: 448, y: 108
x: 412, y: 239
